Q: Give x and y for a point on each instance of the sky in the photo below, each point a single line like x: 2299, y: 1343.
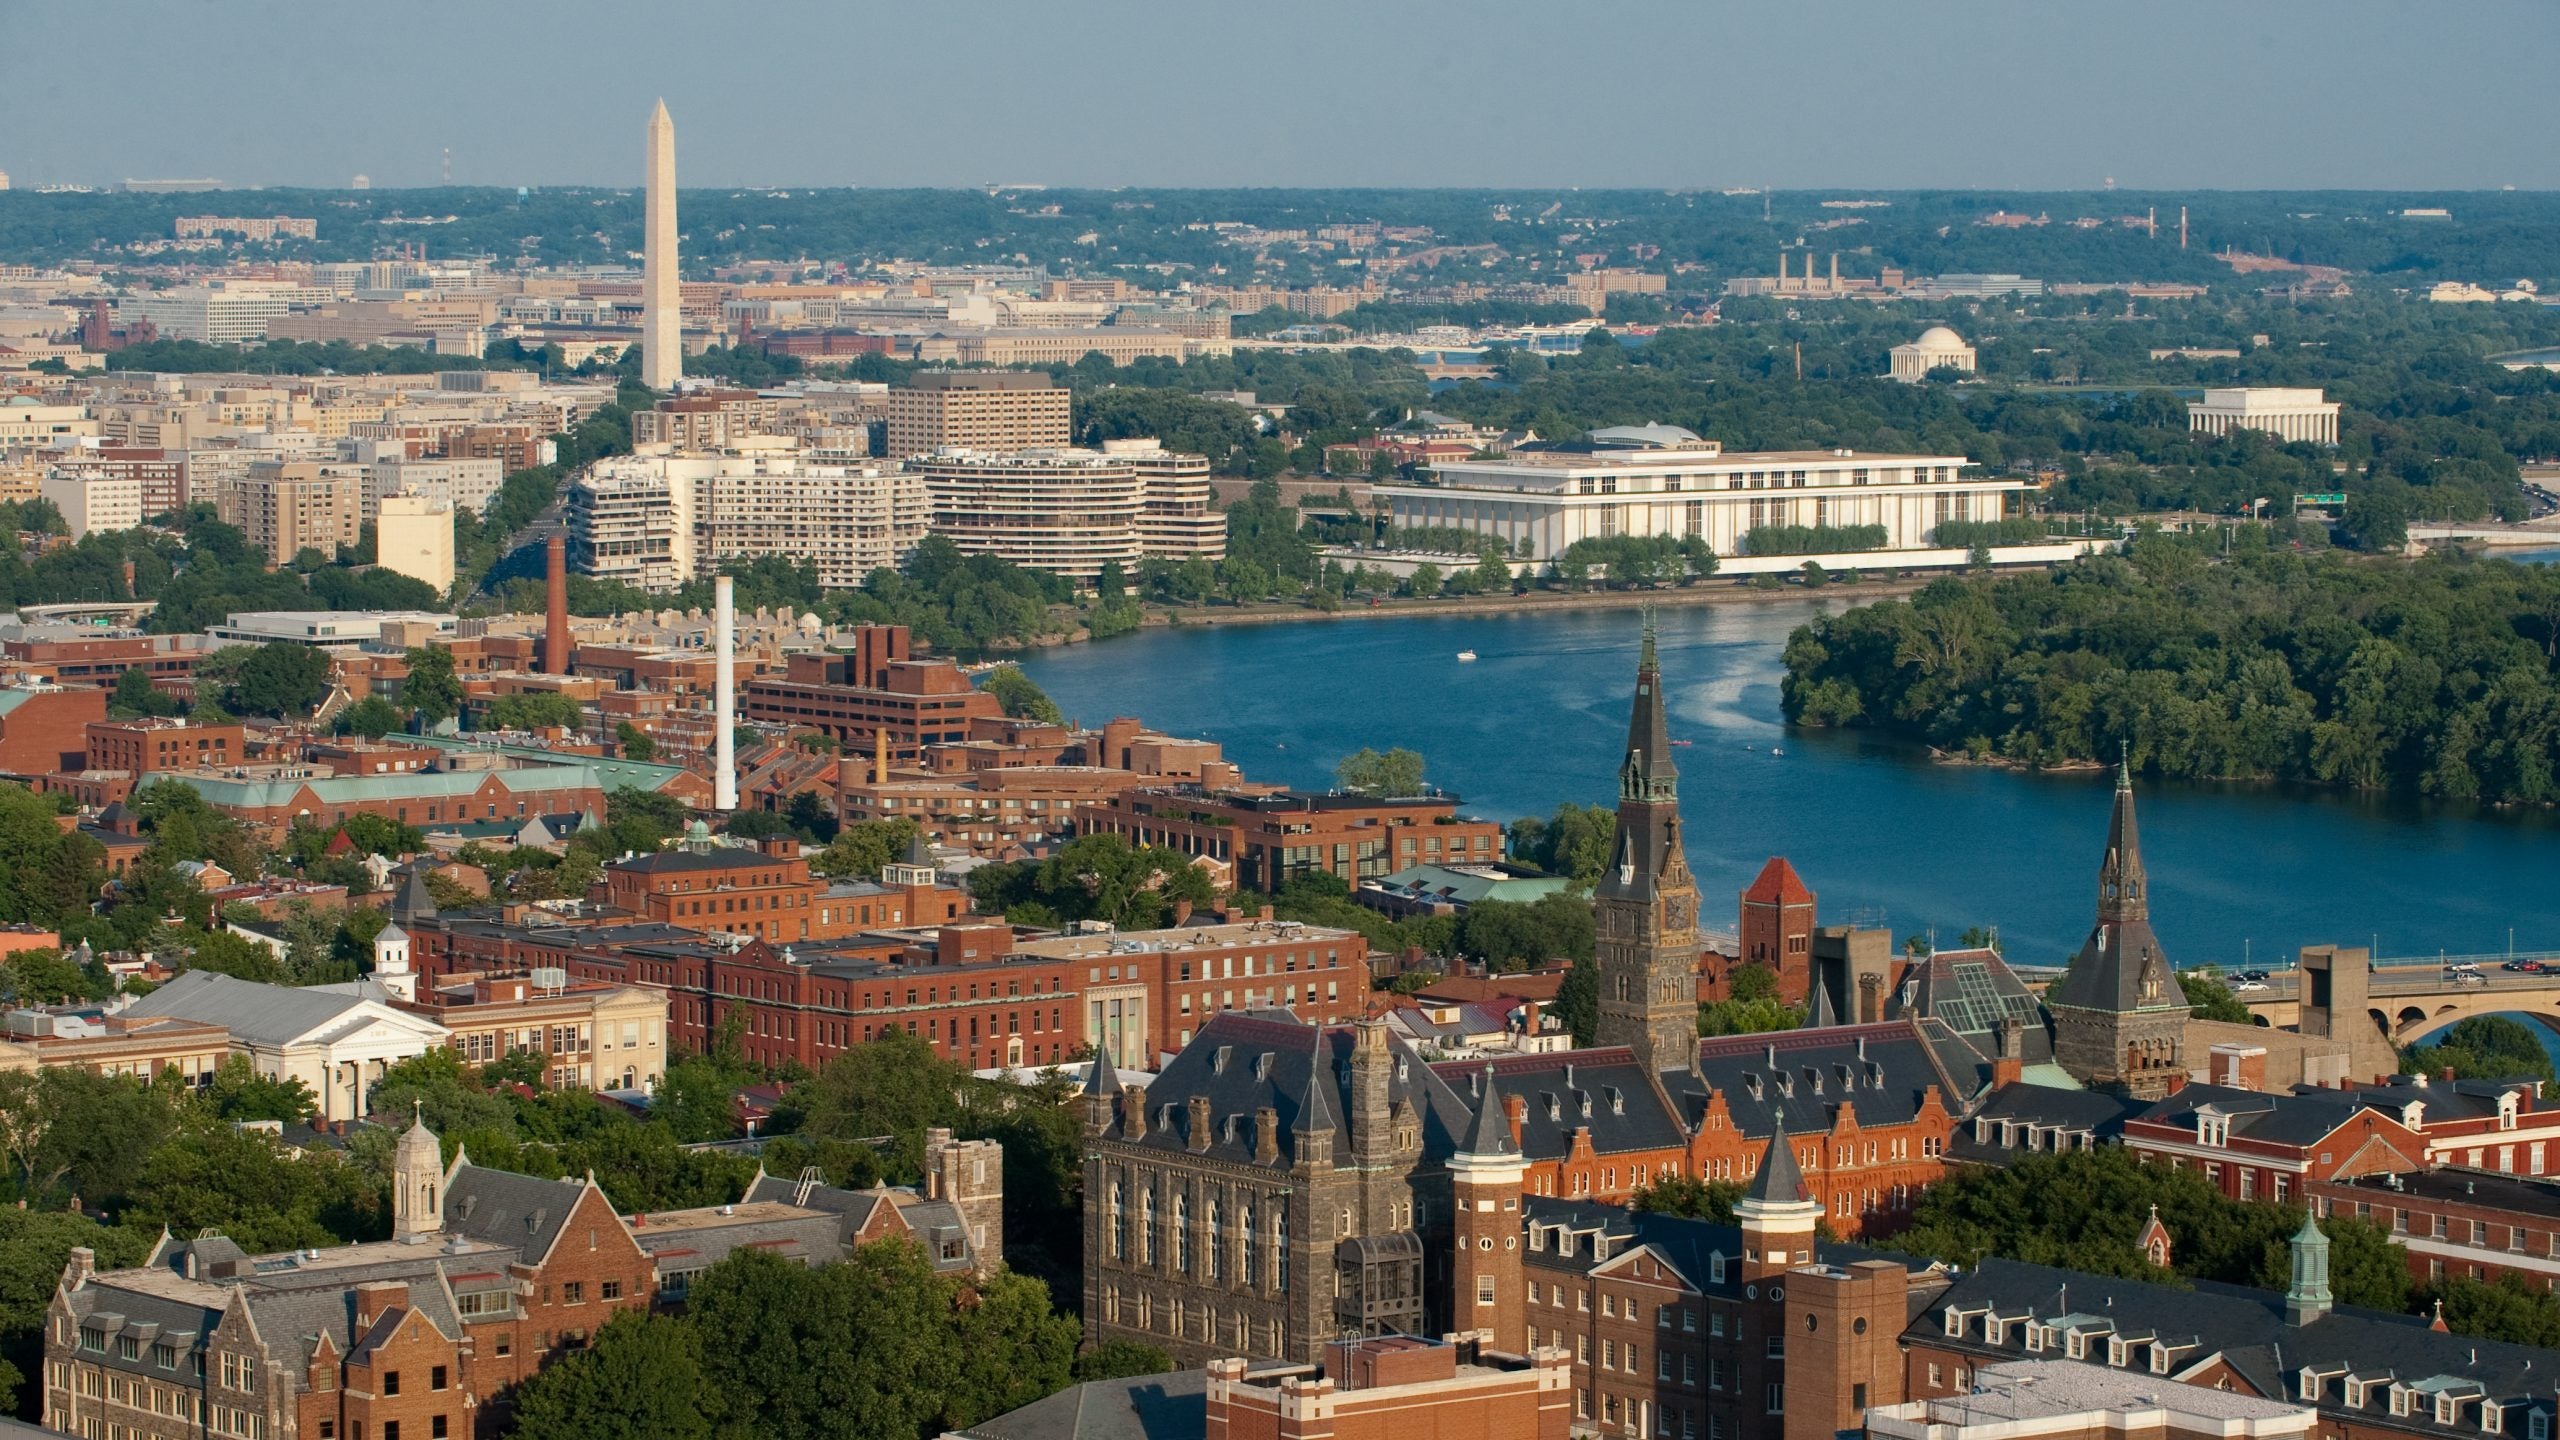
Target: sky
x: 2006, y: 94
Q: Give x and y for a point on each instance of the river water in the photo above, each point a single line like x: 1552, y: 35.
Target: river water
x: 1883, y: 835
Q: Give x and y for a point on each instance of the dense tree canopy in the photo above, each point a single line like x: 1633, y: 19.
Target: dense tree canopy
x: 2436, y: 678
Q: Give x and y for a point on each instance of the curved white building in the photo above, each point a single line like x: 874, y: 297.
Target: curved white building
x: 1069, y: 512
x: 1938, y: 348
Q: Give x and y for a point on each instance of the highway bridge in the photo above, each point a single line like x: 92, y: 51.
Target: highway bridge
x: 2410, y: 996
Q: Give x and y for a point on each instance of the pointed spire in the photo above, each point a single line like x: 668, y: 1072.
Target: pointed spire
x: 2308, y: 1298
x: 2123, y: 888
x: 1648, y: 773
x: 1779, y: 1181
x: 1491, y: 1133
x: 1818, y: 1013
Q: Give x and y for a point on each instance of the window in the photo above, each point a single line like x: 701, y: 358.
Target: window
x: 390, y: 1383
x: 609, y: 1290
x: 573, y: 1292
x: 436, y: 1425
x: 436, y: 1378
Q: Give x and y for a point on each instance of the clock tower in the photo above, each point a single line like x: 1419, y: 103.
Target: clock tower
x: 1645, y: 908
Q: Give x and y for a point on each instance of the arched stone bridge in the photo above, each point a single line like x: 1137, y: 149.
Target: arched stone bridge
x: 2409, y: 1000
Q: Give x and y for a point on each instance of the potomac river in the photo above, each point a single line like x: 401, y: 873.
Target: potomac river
x: 1883, y: 835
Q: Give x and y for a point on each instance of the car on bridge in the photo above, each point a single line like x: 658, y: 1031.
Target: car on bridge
x: 2525, y: 967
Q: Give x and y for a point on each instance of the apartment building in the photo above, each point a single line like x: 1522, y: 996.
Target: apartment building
x: 93, y: 502
x: 1178, y: 516
x: 465, y: 482
x: 658, y: 521
x: 287, y: 506
x: 947, y: 409
x: 1268, y: 838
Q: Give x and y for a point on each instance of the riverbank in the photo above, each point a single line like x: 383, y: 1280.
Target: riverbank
x: 1535, y: 602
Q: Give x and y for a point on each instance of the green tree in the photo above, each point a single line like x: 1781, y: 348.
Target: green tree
x: 1710, y: 1200
x: 1425, y: 581
x: 1020, y: 697
x: 431, y: 688
x: 1121, y: 1359
x: 640, y: 1378
x: 634, y: 741
x: 136, y: 696
x: 536, y: 710
x: 2485, y: 1047
x: 864, y: 848
x: 371, y: 717
x: 2210, y: 999
x: 281, y: 680
x: 859, y: 1350
x: 239, y: 1092
x: 1388, y: 775
x: 1747, y: 1017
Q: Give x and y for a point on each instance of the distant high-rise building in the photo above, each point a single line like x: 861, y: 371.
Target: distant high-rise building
x: 362, y: 182
x: 662, y: 326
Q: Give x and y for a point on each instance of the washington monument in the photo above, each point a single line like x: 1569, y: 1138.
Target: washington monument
x: 661, y: 325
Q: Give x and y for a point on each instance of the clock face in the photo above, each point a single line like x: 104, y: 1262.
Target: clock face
x: 1675, y: 914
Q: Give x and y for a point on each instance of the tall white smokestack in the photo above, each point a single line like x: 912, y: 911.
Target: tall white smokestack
x: 724, y: 696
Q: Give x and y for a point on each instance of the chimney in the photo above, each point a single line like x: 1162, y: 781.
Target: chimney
x: 83, y: 1264
x: 1835, y: 271
x: 724, y: 693
x: 1133, y: 1111
x: 378, y: 1298
x: 555, y: 624
x: 1199, y: 1123
x: 1266, y: 1135
x: 1181, y: 912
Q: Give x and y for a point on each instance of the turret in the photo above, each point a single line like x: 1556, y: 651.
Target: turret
x: 1778, y: 1218
x: 417, y: 1184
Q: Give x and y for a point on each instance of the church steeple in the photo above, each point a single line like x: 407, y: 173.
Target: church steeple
x: 2123, y: 890
x: 2119, y: 1016
x: 1645, y: 907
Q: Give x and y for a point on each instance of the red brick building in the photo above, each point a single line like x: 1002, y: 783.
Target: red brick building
x: 1777, y: 927
x: 877, y: 689
x: 1267, y: 838
x: 2256, y: 1145
x: 767, y: 893
x: 2457, y: 1224
x: 148, y: 746
x: 170, y: 660
x: 489, y: 1275
x: 43, y: 730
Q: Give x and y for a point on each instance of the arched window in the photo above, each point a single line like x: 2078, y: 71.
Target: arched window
x: 1147, y: 1225
x: 1280, y: 1244
x: 1217, y: 1257
x: 1181, y: 1234
x: 1119, y: 1222
x: 1247, y: 1269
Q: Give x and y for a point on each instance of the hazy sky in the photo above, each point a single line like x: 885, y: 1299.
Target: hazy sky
x: 1792, y: 93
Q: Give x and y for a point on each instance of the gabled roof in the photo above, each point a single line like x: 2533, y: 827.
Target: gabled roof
x: 506, y: 1208
x: 273, y: 1014
x: 1604, y: 1092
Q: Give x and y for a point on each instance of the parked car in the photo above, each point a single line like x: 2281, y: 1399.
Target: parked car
x: 2243, y: 987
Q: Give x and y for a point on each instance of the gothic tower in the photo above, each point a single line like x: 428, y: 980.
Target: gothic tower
x: 1645, y: 907
x: 417, y: 1185
x: 2119, y: 1018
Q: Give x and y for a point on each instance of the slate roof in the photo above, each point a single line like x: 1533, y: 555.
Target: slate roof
x: 1691, y: 1247
x: 679, y: 862
x: 2121, y: 962
x: 1603, y: 1091
x: 1799, y: 1078
x: 505, y: 1208
x: 265, y: 1014
x: 2050, y: 1112
x: 1145, y: 1407
x: 2248, y: 1330
x: 1244, y: 1060
x: 2303, y: 1118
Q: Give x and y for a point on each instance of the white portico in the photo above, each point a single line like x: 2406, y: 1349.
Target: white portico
x: 1540, y: 502
x: 338, y: 1040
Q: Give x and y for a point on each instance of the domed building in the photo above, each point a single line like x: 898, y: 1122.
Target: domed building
x: 1937, y: 348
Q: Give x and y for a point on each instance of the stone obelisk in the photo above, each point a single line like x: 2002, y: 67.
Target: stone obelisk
x: 661, y: 325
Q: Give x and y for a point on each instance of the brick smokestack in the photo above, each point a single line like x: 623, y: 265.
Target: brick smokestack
x: 555, y: 625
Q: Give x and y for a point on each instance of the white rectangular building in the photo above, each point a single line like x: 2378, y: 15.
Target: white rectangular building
x: 413, y: 534
x: 462, y: 482
x: 92, y: 501
x: 1539, y: 503
x: 2287, y: 414
x: 657, y: 521
x: 217, y: 315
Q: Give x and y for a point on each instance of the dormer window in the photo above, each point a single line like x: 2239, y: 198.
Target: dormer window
x: 2213, y: 1128
x: 2493, y: 1417
x: 2537, y: 1424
